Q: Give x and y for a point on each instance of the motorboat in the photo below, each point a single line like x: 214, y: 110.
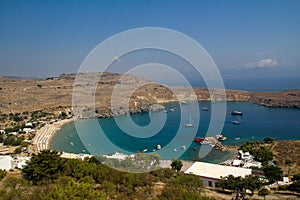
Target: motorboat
x: 236, y: 112
x: 199, y: 139
x: 190, y: 122
x: 221, y: 137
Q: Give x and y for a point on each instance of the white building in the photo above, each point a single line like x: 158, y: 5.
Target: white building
x: 211, y: 173
x: 20, y: 162
x: 118, y: 156
x: 246, y: 156
x: 6, y: 162
x: 28, y: 125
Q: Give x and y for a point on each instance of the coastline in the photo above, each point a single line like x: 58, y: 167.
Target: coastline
x: 44, y: 135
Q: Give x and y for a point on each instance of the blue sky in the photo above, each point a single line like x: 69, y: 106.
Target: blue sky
x: 246, y: 39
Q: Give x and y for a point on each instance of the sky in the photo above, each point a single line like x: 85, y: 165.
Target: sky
x: 246, y: 39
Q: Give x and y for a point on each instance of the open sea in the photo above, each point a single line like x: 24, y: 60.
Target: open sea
x: 176, y: 140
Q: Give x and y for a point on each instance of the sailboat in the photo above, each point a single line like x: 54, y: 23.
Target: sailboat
x: 190, y: 122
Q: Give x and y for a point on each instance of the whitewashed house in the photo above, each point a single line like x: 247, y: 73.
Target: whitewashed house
x: 6, y: 162
x: 211, y: 173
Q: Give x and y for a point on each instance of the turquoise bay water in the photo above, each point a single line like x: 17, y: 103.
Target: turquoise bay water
x: 257, y: 123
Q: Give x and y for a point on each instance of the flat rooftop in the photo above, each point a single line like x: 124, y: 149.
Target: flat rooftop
x: 215, y: 171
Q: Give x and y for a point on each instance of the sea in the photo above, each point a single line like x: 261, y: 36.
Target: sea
x: 143, y: 132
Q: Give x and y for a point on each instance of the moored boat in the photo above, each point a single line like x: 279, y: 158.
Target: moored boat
x: 236, y: 122
x: 204, y: 108
x: 190, y: 122
x: 236, y: 112
x: 183, y: 102
x: 199, y: 139
x: 158, y: 147
x: 221, y: 137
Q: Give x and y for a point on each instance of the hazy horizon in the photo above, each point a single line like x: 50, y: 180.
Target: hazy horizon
x: 248, y: 41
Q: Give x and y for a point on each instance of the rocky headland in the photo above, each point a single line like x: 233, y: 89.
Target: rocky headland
x: 54, y: 95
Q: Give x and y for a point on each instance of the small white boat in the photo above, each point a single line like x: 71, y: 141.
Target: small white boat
x: 212, y: 145
x: 145, y: 150
x: 221, y: 137
x: 172, y: 110
x: 71, y: 143
x: 237, y: 138
x: 190, y: 122
x: 174, y: 150
x: 236, y: 112
x: 158, y: 147
x: 204, y: 108
x: 236, y: 122
x: 183, y: 102
x: 183, y: 147
x: 205, y: 142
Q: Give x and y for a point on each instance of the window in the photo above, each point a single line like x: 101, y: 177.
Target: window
x: 210, y: 184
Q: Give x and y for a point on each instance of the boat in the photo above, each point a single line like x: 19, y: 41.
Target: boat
x: 183, y: 147
x: 204, y: 108
x: 212, y: 145
x: 199, y: 139
x: 237, y: 138
x: 204, y: 142
x: 174, y: 150
x: 145, y: 150
x: 236, y: 122
x: 165, y: 111
x: 183, y: 102
x: 172, y: 110
x: 221, y: 137
x: 158, y: 147
x: 236, y: 112
x: 71, y: 143
x: 190, y: 122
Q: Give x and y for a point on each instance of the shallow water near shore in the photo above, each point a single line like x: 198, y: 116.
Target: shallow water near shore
x: 257, y: 123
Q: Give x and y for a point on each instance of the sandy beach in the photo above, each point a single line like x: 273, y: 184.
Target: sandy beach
x: 43, y: 137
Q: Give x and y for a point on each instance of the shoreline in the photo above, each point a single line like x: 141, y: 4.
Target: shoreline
x: 44, y: 136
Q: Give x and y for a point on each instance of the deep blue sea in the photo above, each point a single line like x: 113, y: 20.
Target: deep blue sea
x: 257, y: 123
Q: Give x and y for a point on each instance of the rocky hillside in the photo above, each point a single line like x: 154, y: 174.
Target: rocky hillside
x: 53, y: 94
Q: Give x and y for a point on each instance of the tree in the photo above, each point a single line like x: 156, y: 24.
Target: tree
x: 176, y: 165
x: 74, y: 190
x: 288, y: 162
x: 2, y: 174
x: 268, y: 140
x: 18, y: 150
x: 263, y: 155
x: 295, y: 186
x: 45, y: 166
x: 239, y: 184
x: 252, y: 183
x: 189, y: 182
x: 263, y: 192
x: 272, y: 173
x: 184, y: 186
